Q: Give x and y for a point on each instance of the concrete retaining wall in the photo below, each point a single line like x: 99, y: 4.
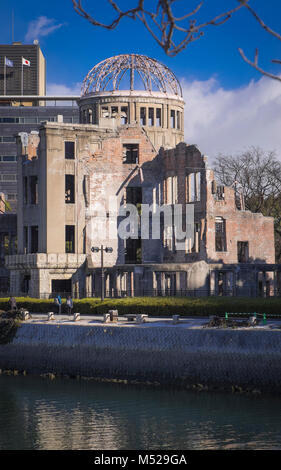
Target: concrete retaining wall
x: 250, y: 358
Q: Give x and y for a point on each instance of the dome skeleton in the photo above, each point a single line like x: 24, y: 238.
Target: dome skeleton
x: 113, y: 69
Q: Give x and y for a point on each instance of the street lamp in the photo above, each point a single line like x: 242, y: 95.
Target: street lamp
x: 107, y: 249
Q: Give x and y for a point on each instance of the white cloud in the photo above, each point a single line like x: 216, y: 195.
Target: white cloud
x: 61, y: 89
x: 42, y: 26
x: 228, y: 121
x: 56, y: 89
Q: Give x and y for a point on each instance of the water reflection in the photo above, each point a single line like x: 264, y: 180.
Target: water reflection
x: 37, y: 413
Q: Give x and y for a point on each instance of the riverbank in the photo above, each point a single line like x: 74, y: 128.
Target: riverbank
x: 187, y: 354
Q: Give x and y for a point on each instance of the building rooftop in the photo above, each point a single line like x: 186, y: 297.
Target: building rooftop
x: 131, y: 72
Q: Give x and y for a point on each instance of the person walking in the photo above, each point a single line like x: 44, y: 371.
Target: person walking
x: 69, y: 304
x: 58, y: 303
x: 59, y: 309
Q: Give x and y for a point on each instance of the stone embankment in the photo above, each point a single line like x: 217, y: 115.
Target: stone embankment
x: 187, y: 353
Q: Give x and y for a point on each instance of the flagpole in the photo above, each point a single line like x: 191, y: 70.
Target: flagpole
x: 5, y: 75
x: 22, y: 76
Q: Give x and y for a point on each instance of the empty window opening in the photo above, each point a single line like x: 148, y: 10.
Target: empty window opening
x: 220, y: 192
x: 61, y: 286
x: 133, y: 253
x: 173, y: 119
x: 220, y: 240
x: 114, y: 111
x: 170, y: 284
x: 69, y: 150
x: 221, y: 283
x: 133, y: 195
x: 34, y: 239
x: 69, y: 189
x: 33, y: 189
x: 25, y: 284
x: 196, y: 245
x: 243, y: 252
x: 104, y: 112
x: 193, y: 187
x: 151, y: 116
x: 158, y: 117
x: 130, y: 153
x: 143, y: 116
x: 25, y: 239
x: 124, y: 115
x: 70, y: 238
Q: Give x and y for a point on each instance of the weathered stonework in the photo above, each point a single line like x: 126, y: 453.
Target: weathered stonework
x: 69, y: 203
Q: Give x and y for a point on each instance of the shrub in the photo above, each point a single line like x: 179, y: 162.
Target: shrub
x: 158, y: 306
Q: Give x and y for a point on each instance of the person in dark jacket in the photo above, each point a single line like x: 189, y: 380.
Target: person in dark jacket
x: 58, y: 303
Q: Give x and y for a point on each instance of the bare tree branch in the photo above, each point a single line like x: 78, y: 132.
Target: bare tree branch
x: 273, y: 33
x: 163, y: 23
x: 174, y: 32
x: 255, y: 65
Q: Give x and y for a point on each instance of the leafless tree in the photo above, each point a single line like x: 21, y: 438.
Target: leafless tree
x: 258, y: 173
x: 173, y: 32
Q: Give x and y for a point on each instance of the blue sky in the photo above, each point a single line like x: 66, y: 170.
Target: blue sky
x: 215, y: 79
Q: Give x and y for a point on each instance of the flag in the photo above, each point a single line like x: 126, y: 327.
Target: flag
x: 8, y: 62
x: 25, y: 62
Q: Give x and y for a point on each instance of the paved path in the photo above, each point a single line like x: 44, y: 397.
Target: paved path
x: 186, y: 322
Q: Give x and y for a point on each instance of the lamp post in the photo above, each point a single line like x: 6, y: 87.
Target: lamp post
x: 107, y: 249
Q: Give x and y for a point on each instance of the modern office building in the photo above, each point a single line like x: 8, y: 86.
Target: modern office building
x: 77, y: 183
x: 22, y: 112
x: 22, y: 70
x: 22, y: 82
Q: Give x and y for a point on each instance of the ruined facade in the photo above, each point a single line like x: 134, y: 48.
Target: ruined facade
x: 77, y: 189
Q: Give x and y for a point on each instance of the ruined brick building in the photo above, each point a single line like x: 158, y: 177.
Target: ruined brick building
x: 75, y: 189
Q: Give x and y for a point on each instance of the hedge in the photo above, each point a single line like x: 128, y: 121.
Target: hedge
x: 158, y: 306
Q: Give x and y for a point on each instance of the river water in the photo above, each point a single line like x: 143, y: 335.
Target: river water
x: 64, y: 414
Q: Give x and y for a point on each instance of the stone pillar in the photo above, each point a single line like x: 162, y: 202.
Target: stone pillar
x: 178, y: 283
x: 131, y: 112
x: 131, y: 284
x: 89, y: 286
x: 137, y: 113
x: 107, y: 285
x: 213, y: 283
x: 154, y: 283
x: 118, y: 284
x: 163, y: 283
